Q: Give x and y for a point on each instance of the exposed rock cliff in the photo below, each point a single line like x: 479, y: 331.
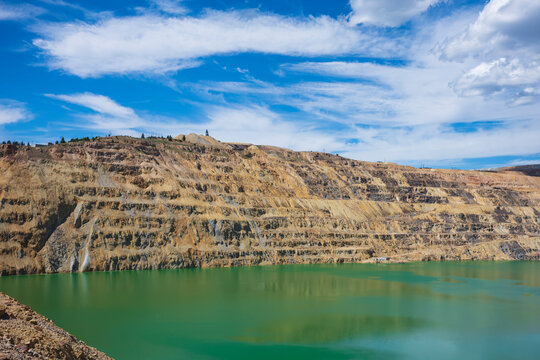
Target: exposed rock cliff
x: 25, y: 334
x: 532, y: 170
x: 124, y: 203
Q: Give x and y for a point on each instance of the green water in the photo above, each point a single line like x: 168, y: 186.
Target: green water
x: 467, y: 310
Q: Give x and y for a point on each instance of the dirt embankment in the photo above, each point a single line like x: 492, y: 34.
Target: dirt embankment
x: 25, y: 334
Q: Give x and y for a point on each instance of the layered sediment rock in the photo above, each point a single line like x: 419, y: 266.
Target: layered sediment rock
x: 24, y: 334
x: 123, y: 203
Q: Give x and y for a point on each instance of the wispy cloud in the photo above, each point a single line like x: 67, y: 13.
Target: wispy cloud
x: 405, y: 144
x: 416, y: 94
x: 406, y: 133
x: 437, y: 143
x: 387, y: 12
x: 406, y: 113
x: 173, y: 7
x: 227, y: 123
x: 260, y: 125
x: 422, y: 92
x: 19, y: 11
x: 263, y: 126
x: 157, y: 44
x: 99, y: 103
x: 12, y: 111
x: 107, y: 117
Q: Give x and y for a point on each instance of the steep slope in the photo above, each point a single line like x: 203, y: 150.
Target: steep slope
x: 124, y: 203
x: 531, y: 170
x: 28, y: 335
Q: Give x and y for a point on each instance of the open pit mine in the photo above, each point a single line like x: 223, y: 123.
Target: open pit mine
x: 122, y: 203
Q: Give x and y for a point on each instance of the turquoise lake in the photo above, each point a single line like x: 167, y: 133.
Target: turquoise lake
x: 448, y: 310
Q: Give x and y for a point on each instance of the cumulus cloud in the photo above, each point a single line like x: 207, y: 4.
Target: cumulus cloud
x: 157, y: 44
x: 498, y: 76
x: 504, y: 41
x: 19, y: 11
x: 13, y: 111
x: 503, y: 28
x: 387, y: 12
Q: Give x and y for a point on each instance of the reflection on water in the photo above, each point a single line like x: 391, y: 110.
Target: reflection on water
x: 316, y: 329
x: 525, y: 272
x: 368, y: 311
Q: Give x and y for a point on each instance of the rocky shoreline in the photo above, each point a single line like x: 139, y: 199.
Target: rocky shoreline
x: 25, y: 334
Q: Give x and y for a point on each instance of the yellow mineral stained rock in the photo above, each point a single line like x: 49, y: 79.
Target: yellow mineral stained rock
x: 120, y: 203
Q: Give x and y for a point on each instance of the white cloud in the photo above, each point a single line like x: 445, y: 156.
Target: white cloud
x: 387, y: 12
x: 340, y: 102
x: 99, y: 103
x: 405, y: 113
x: 376, y: 94
x: 170, y: 6
x: 436, y: 143
x: 527, y: 96
x: 503, y: 28
x: 498, y: 76
x: 504, y: 40
x: 109, y: 116
x: 260, y: 125
x: 397, y: 113
x: 429, y: 143
x: 229, y: 123
x: 19, y: 11
x: 155, y: 44
x: 89, y: 14
x: 12, y: 112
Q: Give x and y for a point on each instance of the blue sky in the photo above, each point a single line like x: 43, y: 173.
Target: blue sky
x: 439, y: 83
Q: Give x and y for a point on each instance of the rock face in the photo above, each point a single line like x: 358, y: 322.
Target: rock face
x: 532, y: 170
x: 121, y: 203
x: 28, y: 335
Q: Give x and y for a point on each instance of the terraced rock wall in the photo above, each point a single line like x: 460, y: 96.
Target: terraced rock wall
x: 122, y: 203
